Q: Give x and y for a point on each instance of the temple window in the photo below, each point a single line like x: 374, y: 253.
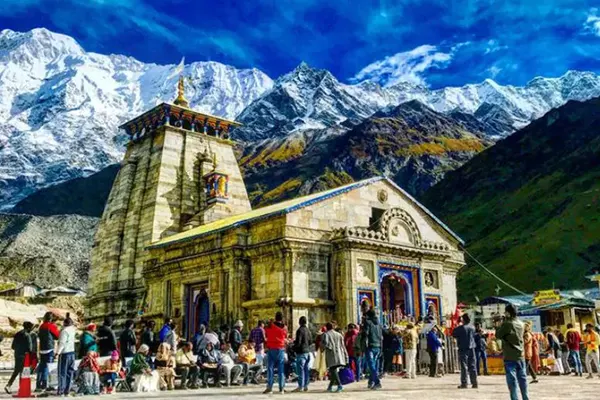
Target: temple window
x: 375, y: 220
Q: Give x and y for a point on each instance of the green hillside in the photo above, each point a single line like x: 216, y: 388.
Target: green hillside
x: 529, y: 207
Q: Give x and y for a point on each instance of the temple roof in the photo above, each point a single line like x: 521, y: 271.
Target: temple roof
x: 286, y: 207
x: 156, y: 116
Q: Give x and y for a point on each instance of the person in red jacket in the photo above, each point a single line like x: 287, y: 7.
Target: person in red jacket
x: 47, y: 334
x: 350, y: 343
x: 276, y: 335
x: 573, y: 339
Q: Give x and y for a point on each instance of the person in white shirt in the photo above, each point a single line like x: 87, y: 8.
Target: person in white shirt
x: 186, y: 367
x: 66, y: 356
x: 231, y: 370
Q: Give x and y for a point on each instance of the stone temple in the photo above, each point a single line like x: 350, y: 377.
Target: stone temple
x: 179, y: 238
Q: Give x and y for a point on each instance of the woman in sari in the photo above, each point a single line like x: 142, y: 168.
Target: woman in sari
x: 145, y: 380
x: 88, y: 374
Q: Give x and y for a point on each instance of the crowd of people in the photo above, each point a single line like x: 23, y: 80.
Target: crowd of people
x: 157, y: 360
x: 96, y: 360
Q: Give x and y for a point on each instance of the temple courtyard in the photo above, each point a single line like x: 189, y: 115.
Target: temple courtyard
x: 423, y: 388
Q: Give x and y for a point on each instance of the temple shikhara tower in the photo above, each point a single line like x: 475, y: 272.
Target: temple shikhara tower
x: 179, y: 238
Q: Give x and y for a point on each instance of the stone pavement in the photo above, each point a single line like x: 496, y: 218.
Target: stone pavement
x: 423, y: 388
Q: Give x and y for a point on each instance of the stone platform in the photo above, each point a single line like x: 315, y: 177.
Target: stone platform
x: 423, y: 388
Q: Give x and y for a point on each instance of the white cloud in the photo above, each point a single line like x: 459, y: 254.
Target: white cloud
x: 592, y: 23
x: 493, y: 46
x: 494, y: 71
x: 408, y: 66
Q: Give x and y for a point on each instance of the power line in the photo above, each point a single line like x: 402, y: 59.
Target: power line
x: 493, y: 274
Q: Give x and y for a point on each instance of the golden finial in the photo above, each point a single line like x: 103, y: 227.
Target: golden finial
x: 180, y: 100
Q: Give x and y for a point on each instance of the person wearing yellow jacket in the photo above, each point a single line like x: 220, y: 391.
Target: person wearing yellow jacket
x: 591, y: 340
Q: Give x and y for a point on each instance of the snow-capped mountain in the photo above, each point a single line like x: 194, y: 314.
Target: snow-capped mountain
x: 60, y: 106
x: 309, y: 98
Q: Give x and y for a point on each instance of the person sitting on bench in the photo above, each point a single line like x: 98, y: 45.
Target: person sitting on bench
x: 229, y: 367
x: 247, y: 358
x: 185, y: 360
x: 209, y: 364
x: 110, y: 371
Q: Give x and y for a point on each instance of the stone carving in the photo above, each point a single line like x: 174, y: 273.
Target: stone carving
x: 400, y: 232
x: 382, y: 196
x: 397, y: 226
x: 365, y: 271
x: 431, y: 279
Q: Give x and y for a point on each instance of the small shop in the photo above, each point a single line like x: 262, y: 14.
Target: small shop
x: 545, y: 308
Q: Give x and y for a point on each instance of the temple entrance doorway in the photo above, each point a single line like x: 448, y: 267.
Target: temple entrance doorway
x: 197, y: 308
x: 396, y: 298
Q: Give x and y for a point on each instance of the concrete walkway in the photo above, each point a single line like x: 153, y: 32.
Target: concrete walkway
x: 423, y: 388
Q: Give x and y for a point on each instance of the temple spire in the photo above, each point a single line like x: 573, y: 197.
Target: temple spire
x: 180, y: 100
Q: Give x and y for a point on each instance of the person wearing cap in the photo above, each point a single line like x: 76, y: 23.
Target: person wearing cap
x: 87, y: 342
x: 235, y: 336
x: 110, y: 371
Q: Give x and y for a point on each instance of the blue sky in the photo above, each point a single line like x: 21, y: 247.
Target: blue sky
x: 438, y: 43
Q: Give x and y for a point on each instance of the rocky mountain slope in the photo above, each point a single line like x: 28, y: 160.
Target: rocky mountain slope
x: 48, y: 251
x: 529, y: 207
x: 81, y: 196
x: 60, y: 105
x: 412, y: 144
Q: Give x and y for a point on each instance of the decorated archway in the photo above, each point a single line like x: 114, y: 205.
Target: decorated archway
x: 396, y: 294
x: 400, y: 290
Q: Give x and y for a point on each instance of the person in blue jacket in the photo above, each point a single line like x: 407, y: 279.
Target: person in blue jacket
x: 434, y: 344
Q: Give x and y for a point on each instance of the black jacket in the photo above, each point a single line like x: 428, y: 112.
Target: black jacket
x: 127, y: 342
x: 48, y: 335
x: 149, y: 340
x: 371, y: 331
x: 107, y: 341
x: 22, y: 343
x: 303, y: 340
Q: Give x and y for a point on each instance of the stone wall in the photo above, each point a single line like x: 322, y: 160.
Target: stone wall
x: 158, y: 190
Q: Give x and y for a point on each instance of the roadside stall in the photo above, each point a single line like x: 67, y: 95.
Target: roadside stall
x: 545, y: 308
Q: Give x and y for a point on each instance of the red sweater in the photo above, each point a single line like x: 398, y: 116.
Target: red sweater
x: 573, y: 339
x: 276, y: 336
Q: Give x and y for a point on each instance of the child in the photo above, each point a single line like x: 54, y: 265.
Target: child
x: 110, y: 371
x: 398, y: 350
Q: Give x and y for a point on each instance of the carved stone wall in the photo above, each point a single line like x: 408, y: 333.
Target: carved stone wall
x: 156, y: 193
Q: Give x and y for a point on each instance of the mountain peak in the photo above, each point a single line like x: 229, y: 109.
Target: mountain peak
x: 39, y: 44
x: 304, y: 72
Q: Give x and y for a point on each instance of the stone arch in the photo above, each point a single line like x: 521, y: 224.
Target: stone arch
x: 397, y: 218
